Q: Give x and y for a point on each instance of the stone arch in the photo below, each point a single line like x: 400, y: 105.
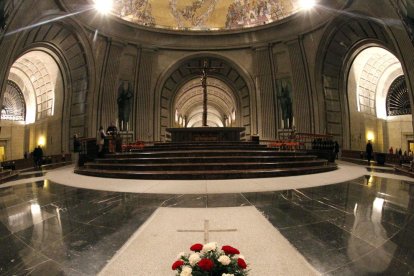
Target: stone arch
x: 67, y: 43
x: 344, y: 39
x: 231, y: 74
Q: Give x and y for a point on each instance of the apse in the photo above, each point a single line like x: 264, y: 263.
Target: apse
x: 221, y: 104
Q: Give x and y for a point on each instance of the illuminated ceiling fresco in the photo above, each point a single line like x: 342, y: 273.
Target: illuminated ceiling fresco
x: 204, y: 14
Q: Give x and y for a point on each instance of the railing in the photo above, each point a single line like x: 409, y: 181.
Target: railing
x: 315, y: 141
x: 283, y: 144
x: 389, y: 158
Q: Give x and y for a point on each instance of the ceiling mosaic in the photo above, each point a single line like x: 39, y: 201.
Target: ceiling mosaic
x: 204, y: 14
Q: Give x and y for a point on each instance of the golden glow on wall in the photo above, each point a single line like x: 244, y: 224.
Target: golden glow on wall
x: 370, y: 136
x: 41, y: 141
x: 2, y: 153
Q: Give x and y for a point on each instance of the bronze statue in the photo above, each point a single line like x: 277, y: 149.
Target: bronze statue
x: 125, y: 95
x: 286, y: 106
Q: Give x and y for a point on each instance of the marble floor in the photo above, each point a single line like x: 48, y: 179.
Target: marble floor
x: 363, y: 226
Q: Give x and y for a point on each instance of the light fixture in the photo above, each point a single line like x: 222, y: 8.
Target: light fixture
x: 307, y: 4
x: 103, y: 6
x: 41, y: 141
x: 370, y: 136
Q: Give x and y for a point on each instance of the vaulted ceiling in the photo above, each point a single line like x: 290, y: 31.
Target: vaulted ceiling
x: 204, y: 14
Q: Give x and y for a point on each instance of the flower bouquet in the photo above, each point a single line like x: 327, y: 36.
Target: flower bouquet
x: 209, y: 260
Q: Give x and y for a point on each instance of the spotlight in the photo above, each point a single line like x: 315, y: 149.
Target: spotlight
x: 307, y: 4
x: 103, y: 6
x: 41, y: 141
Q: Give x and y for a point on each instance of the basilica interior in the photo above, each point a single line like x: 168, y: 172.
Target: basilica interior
x: 284, y: 74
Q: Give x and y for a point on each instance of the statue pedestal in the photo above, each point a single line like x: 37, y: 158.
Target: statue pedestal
x: 206, y: 134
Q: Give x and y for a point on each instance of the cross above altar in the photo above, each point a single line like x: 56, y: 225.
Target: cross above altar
x: 204, y: 70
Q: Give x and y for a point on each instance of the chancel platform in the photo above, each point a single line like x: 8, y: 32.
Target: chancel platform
x: 205, y: 160
x: 206, y: 134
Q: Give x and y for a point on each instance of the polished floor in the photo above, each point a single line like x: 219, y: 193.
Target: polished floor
x: 359, y: 227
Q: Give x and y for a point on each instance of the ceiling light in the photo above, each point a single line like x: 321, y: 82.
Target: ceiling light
x: 307, y: 4
x: 103, y: 6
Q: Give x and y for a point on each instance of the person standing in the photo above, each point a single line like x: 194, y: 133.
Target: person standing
x: 369, y: 151
x: 100, y: 140
x: 336, y: 148
x: 112, y: 132
x: 76, y: 149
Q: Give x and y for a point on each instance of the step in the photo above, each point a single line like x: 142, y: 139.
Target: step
x: 200, y: 146
x: 202, y: 153
x: 216, y: 174
x: 204, y: 159
x: 203, y: 166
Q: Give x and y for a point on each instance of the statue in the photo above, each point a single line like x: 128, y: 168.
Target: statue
x: 285, y: 104
x: 125, y: 94
x: 3, y: 17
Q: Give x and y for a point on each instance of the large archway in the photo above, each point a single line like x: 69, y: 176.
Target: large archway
x: 229, y: 100
x: 59, y: 44
x: 379, y: 105
x: 221, y: 104
x: 35, y: 88
x: 344, y: 39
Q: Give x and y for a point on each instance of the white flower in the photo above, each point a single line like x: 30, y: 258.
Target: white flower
x: 181, y: 254
x: 194, y: 258
x: 238, y: 256
x: 209, y: 247
x: 225, y: 274
x: 186, y: 271
x: 224, y: 260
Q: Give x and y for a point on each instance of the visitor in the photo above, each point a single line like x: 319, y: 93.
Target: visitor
x: 112, y: 131
x: 100, y: 140
x: 76, y: 149
x: 369, y: 151
x: 336, y: 149
x: 391, y: 150
x: 400, y: 152
x: 38, y: 157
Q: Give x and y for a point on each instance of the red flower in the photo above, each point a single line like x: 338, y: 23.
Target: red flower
x: 242, y: 264
x: 177, y: 264
x: 196, y: 247
x: 206, y: 264
x: 230, y: 250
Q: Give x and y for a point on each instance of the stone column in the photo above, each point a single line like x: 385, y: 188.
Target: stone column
x: 265, y: 91
x: 301, y: 94
x: 108, y: 110
x: 144, y: 99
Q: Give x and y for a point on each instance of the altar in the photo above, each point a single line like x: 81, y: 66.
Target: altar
x: 206, y: 134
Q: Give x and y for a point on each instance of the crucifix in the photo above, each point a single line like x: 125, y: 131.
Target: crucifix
x: 204, y: 71
x: 206, y: 231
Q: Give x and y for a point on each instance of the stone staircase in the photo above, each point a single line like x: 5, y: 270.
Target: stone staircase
x: 208, y: 160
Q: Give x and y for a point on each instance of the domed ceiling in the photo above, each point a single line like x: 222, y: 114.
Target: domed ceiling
x: 204, y: 14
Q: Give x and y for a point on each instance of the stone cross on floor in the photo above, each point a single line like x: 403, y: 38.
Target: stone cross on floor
x: 207, y: 230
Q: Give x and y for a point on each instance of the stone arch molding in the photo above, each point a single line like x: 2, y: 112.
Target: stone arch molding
x: 344, y: 39
x: 66, y: 43
x: 228, y: 73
